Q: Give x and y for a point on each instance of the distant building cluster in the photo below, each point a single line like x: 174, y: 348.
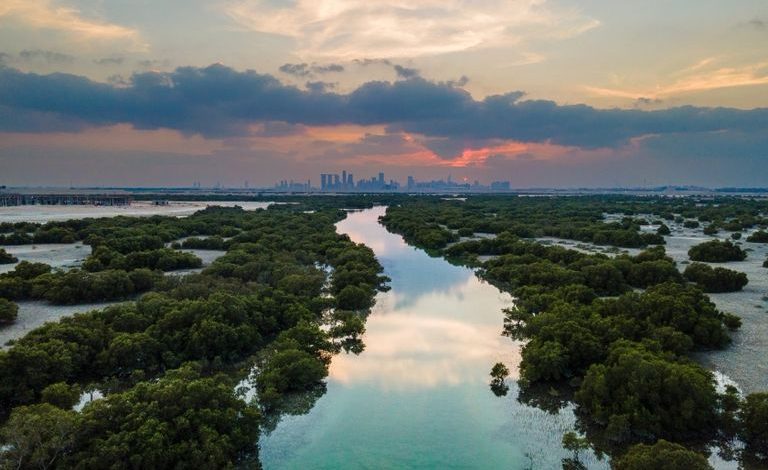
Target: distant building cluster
x: 345, y: 182
x: 293, y: 186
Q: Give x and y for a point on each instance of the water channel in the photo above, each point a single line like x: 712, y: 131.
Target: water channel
x: 418, y: 396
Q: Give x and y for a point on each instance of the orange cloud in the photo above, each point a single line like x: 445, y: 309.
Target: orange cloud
x: 700, y: 76
x: 42, y: 14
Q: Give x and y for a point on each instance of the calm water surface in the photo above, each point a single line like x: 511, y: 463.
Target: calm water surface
x: 418, y: 396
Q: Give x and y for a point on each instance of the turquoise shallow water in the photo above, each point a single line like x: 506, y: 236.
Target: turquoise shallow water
x: 418, y: 396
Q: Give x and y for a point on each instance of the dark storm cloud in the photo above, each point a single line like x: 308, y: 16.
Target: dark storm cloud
x: 217, y: 101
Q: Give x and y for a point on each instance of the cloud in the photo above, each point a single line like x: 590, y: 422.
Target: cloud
x: 304, y: 70
x: 337, y: 68
x: 109, y: 61
x: 217, y: 101
x: 701, y: 76
x: 297, y: 70
x: 320, y: 87
x: 405, y: 72
x: 153, y: 63
x: 758, y: 23
x: 367, y: 62
x: 50, y: 57
x: 400, y: 70
x: 462, y: 81
x: 645, y: 101
x: 392, y: 28
x: 43, y: 14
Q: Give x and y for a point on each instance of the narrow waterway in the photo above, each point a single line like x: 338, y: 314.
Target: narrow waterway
x: 418, y: 396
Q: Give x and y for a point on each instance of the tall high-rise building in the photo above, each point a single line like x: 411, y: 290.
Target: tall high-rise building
x: 323, y: 181
x: 343, y: 179
x: 336, y: 183
x: 381, y: 179
x: 411, y: 182
x: 350, y: 181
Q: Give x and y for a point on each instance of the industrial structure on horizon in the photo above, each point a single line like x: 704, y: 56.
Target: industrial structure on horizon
x: 62, y: 197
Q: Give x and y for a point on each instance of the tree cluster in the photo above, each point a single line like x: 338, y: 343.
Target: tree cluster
x: 715, y: 279
x: 624, y: 352
x: 162, y: 259
x: 289, y: 293
x: 7, y: 258
x: 760, y: 236
x: 716, y: 251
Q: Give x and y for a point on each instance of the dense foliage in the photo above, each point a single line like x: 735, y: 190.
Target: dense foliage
x: 432, y: 223
x: 6, y: 258
x: 716, y: 251
x: 715, y: 279
x: 209, y: 243
x: 624, y: 352
x: 163, y: 259
x: 8, y: 311
x: 754, y: 415
x: 614, y: 333
x: 644, y: 391
x: 289, y: 293
x: 662, y: 455
x: 36, y: 281
x: 183, y: 420
x: 760, y: 236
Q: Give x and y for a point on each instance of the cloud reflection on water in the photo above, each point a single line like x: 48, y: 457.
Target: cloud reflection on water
x: 439, y: 325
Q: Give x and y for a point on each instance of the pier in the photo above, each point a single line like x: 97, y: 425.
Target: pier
x: 63, y: 198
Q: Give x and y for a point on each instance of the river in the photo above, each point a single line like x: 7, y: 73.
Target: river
x: 419, y: 396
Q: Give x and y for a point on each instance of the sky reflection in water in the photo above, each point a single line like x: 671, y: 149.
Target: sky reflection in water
x: 418, y: 396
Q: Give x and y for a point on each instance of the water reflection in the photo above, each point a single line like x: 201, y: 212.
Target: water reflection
x: 437, y: 338
x: 418, y: 396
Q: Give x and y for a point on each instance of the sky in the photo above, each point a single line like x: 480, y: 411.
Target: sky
x: 542, y: 93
